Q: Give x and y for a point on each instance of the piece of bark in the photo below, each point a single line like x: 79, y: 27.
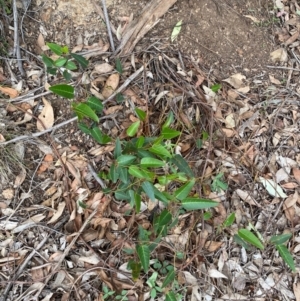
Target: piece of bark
x: 139, y: 27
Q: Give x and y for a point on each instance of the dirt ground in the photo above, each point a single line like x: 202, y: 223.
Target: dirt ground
x: 257, y: 117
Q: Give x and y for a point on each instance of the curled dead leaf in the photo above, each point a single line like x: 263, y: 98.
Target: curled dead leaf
x: 111, y: 85
x: 46, y: 117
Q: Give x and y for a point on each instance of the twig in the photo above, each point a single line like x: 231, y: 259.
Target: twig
x: 284, y: 68
x: 94, y: 174
x: 124, y: 85
x: 68, y: 249
x: 111, y: 40
x: 22, y: 267
x: 17, y: 51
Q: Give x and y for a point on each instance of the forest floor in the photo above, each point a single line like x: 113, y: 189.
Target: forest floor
x: 228, y: 81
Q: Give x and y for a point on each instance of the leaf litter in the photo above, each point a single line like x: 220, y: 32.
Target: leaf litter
x: 250, y: 174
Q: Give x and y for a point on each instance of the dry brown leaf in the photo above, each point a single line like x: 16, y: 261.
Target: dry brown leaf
x: 212, y: 246
x: 40, y: 43
x: 8, y: 193
x: 228, y: 132
x: 291, y: 200
x: 47, y: 162
x: 2, y: 77
x: 236, y: 80
x: 60, y: 209
x: 111, y: 85
x: 46, y: 117
x: 273, y: 80
x: 230, y: 121
x: 20, y: 177
x: 12, y: 93
x: 296, y: 288
x: 279, y: 55
x: 103, y: 68
x: 289, y: 185
x: 292, y: 39
x: 296, y: 173
x: 113, y: 109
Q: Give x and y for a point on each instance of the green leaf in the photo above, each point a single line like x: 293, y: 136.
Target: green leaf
x: 170, y: 296
x: 176, y: 31
x: 81, y: 60
x: 169, y: 278
x: 98, y: 136
x: 137, y: 172
x: 164, y: 218
x: 47, y: 61
x: 95, y: 104
x: 148, y: 189
x: 124, y: 160
x: 286, y: 256
x: 199, y: 143
x: 136, y: 269
x: 123, y: 174
x: 249, y: 237
x: 169, y: 133
x: 119, y: 98
x: 83, y: 110
x: 122, y: 195
x: 118, y: 149
x: 207, y: 215
x: 160, y: 150
x: 55, y: 48
x: 137, y: 202
x: 51, y: 70
x: 63, y: 90
x: 60, y: 62
x: 197, y: 203
x: 144, y: 256
x: 84, y: 128
x: 182, y: 165
x: 140, y: 142
x: 241, y: 242
x: 280, y: 239
x: 67, y: 76
x: 140, y: 114
x: 218, y: 184
x: 229, y: 220
x: 216, y: 87
x: 169, y: 121
x: 152, y: 162
x: 113, y: 173
x: 70, y: 65
x: 160, y: 196
x: 182, y: 192
x: 65, y: 49
x: 119, y: 65
x: 132, y: 130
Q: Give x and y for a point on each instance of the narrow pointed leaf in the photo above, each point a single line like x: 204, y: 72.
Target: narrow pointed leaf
x: 119, y: 65
x: 83, y: 110
x: 132, y: 130
x: 95, y: 104
x: 148, y: 189
x: 47, y: 61
x: 55, y: 48
x: 170, y: 296
x: 176, y: 31
x: 160, y: 150
x: 124, y: 160
x: 60, y: 62
x: 182, y: 192
x: 164, y: 218
x: 169, y: 121
x: 229, y: 220
x: 169, y: 133
x: 81, y: 60
x: 169, y: 278
x: 286, y: 256
x: 70, y: 65
x: 152, y: 162
x: 197, y: 204
x: 280, y: 239
x: 140, y: 113
x: 67, y: 76
x: 65, y: 91
x: 144, y: 256
x: 118, y: 149
x: 249, y: 237
x: 84, y: 128
x: 182, y: 165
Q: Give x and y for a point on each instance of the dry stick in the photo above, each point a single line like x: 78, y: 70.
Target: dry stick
x: 111, y: 41
x: 96, y: 177
x: 34, y: 135
x: 284, y: 68
x: 17, y: 52
x: 68, y: 249
x: 22, y: 267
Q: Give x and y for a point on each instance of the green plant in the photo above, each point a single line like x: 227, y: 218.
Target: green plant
x: 246, y: 237
x: 107, y: 292
x: 64, y: 62
x: 218, y: 184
